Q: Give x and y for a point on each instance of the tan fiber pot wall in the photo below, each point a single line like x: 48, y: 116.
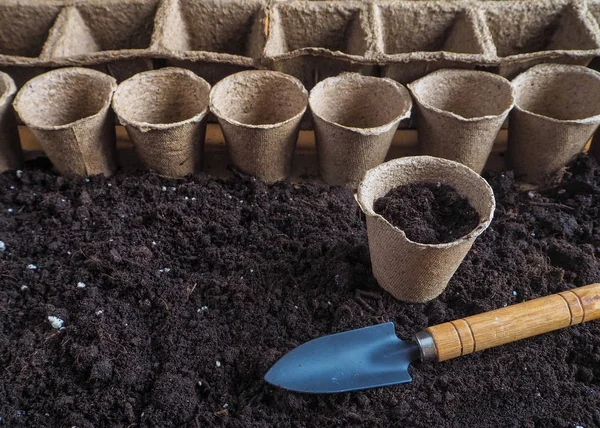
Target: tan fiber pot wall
x: 164, y: 112
x: 68, y: 110
x: 355, y: 118
x: 459, y: 114
x: 557, y: 111
x: 11, y: 156
x: 260, y: 113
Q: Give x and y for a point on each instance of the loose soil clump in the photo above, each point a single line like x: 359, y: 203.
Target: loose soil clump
x: 429, y: 213
x: 193, y: 288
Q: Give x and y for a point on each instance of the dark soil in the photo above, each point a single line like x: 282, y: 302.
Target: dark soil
x: 429, y: 213
x: 195, y: 287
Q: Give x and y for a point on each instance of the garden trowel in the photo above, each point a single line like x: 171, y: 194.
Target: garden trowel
x: 373, y: 356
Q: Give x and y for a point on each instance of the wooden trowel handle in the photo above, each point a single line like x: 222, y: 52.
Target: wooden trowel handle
x: 512, y: 323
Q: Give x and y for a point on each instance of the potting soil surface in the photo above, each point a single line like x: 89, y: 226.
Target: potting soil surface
x: 176, y: 296
x: 429, y: 213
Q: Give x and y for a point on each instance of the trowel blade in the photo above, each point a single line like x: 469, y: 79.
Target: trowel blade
x: 369, y: 357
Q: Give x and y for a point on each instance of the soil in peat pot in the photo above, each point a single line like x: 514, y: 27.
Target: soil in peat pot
x: 177, y: 296
x: 428, y: 213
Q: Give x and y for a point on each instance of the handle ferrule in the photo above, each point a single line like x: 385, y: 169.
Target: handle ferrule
x: 426, y: 346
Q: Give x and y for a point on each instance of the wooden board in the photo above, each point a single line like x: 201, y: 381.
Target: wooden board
x: 216, y: 159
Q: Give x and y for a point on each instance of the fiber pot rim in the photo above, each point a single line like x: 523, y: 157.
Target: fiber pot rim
x: 217, y: 112
x: 549, y: 69
x: 400, y: 90
x: 10, y: 89
x: 94, y: 74
x: 146, y: 126
x: 373, y: 174
x: 457, y: 71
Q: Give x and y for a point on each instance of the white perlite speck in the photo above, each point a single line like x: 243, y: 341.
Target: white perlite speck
x: 10, y: 210
x: 55, y: 322
x: 2, y: 246
x: 204, y: 308
x: 514, y: 293
x: 81, y: 285
x: 19, y: 173
x: 100, y: 312
x: 164, y: 189
x: 24, y: 287
x: 32, y: 267
x: 218, y: 363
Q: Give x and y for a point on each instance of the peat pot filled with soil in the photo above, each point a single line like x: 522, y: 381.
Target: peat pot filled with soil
x: 423, y: 214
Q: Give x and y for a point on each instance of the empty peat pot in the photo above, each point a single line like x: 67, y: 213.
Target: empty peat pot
x: 411, y: 271
x: 11, y: 156
x: 557, y: 111
x: 355, y: 118
x: 68, y: 111
x: 164, y: 112
x: 459, y: 114
x: 259, y: 112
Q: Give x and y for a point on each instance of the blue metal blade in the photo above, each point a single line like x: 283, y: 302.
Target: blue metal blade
x: 359, y: 359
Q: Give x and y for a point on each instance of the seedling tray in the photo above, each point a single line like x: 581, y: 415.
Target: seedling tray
x: 311, y: 40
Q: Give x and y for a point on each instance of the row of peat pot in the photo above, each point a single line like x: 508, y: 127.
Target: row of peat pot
x: 554, y: 110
